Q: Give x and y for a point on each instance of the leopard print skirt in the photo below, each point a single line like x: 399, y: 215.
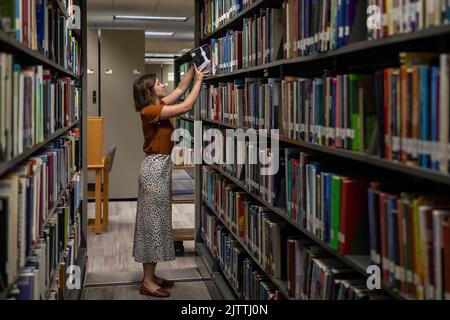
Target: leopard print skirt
x: 153, y: 234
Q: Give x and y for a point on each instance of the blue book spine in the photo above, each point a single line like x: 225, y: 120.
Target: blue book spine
x: 435, y: 112
x: 26, y: 287
x: 239, y: 6
x: 40, y: 10
x: 228, y: 51
x: 448, y: 13
x: 341, y: 22
x: 307, y: 23
x: 390, y: 237
x: 333, y: 112
x: 18, y: 27
x: 424, y: 161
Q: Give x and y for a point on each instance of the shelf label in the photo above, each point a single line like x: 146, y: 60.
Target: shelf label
x: 399, y: 273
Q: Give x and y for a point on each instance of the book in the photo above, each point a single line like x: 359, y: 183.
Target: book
x: 201, y: 57
x: 31, y: 197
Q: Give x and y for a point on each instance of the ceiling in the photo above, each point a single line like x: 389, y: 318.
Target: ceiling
x: 100, y: 14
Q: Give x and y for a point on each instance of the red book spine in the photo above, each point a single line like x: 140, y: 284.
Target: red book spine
x: 241, y: 216
x: 353, y: 206
x: 401, y: 243
x: 291, y: 267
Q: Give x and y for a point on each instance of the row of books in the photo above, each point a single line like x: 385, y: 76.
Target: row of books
x: 262, y: 230
x: 215, y: 13
x: 410, y: 240
x: 41, y: 26
x: 342, y: 210
x: 399, y: 225
x: 317, y: 26
x: 34, y: 106
x: 259, y: 42
x: 234, y: 158
x: 30, y: 195
x: 44, y: 276
x: 306, y: 27
x: 311, y: 273
x: 397, y: 113
x: 243, y: 273
x: 389, y: 18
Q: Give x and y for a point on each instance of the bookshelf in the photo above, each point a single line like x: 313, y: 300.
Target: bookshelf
x: 356, y: 156
x: 31, y: 56
x: 66, y: 134
x: 358, y: 55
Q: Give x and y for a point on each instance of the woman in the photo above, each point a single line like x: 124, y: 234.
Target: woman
x: 153, y: 236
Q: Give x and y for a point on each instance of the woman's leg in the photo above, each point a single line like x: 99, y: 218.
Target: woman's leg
x: 149, y: 276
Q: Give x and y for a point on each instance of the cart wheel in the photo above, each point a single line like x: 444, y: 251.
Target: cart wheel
x: 179, y: 248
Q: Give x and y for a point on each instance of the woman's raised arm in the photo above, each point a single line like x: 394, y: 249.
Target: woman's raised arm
x: 175, y: 95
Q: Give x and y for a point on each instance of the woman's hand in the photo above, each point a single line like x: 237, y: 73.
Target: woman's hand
x: 199, y: 75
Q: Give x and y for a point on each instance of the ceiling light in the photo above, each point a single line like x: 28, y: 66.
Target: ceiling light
x: 151, y: 18
x: 158, y: 34
x: 165, y: 55
x: 159, y: 60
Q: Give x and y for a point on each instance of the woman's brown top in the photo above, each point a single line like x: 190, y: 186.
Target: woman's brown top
x: 157, y: 133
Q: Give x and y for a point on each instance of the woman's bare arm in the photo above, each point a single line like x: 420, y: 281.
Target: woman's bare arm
x: 175, y: 95
x: 183, y: 107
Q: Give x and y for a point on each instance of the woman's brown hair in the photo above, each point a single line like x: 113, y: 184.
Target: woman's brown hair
x: 143, y: 92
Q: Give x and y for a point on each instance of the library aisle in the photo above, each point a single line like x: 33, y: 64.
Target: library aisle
x: 274, y: 152
x: 112, y: 273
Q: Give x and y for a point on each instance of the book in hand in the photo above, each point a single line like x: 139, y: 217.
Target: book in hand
x: 201, y: 57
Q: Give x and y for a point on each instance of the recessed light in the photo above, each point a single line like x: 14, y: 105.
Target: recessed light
x: 158, y: 34
x: 159, y: 55
x: 151, y: 18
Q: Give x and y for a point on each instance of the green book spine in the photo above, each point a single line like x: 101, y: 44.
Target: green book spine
x: 7, y: 15
x: 335, y: 211
x: 355, y: 112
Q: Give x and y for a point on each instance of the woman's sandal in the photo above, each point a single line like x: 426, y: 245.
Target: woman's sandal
x: 159, y: 293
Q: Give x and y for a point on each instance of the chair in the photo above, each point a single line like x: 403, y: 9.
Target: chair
x: 100, y: 191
